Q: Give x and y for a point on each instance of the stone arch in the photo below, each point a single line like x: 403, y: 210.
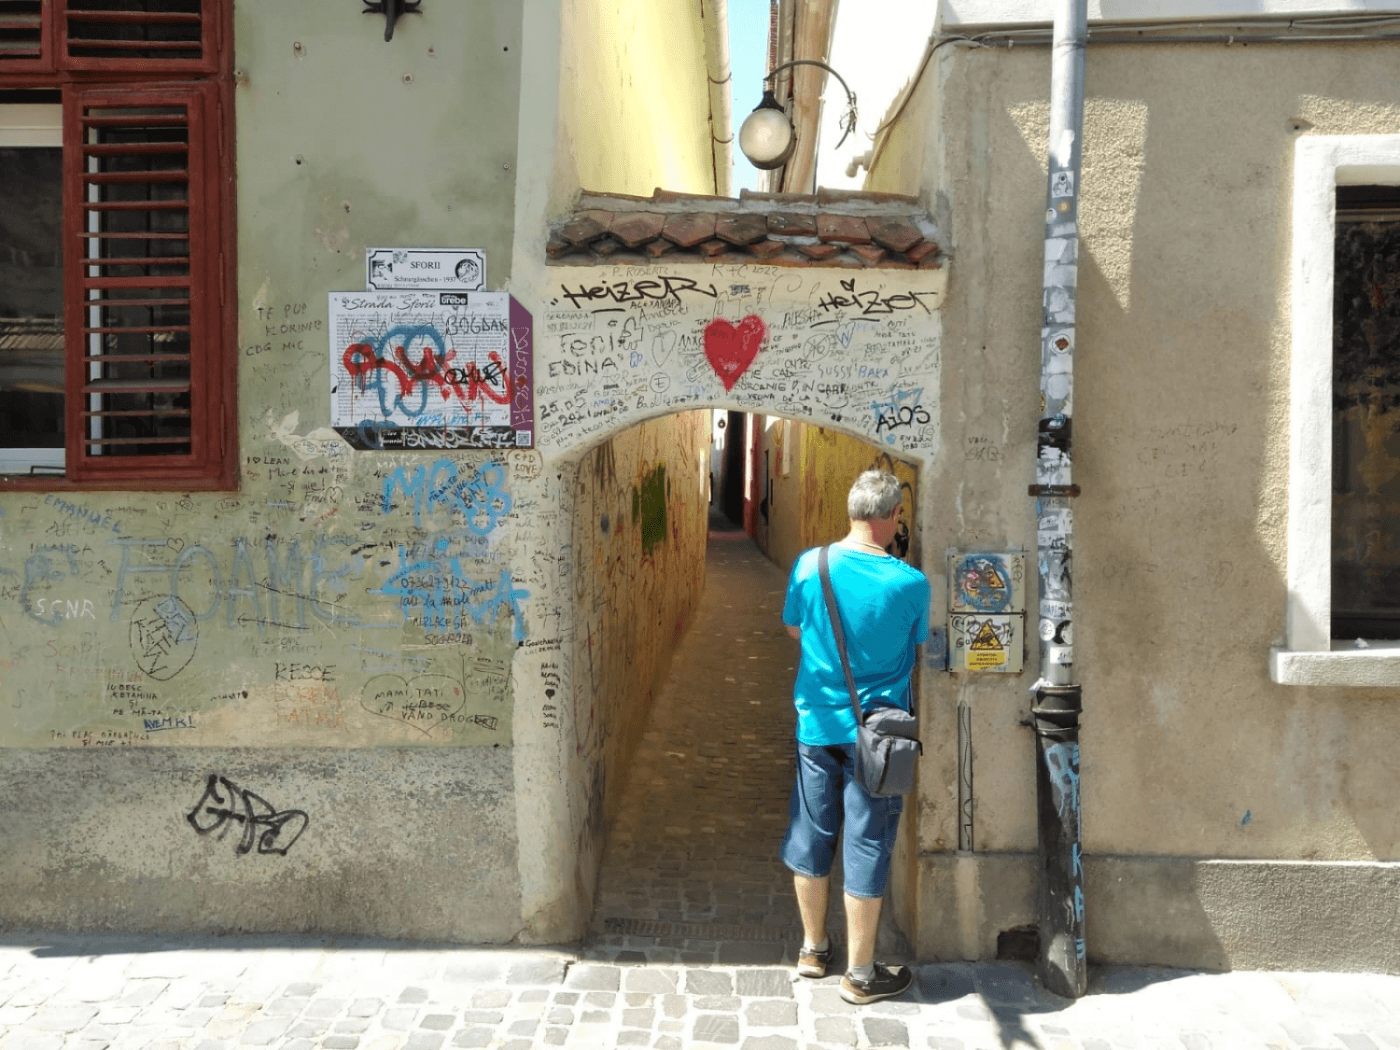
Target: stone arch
x: 828, y: 319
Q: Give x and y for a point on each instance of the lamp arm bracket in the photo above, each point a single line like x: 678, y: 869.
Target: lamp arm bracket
x: 848, y: 122
x: 850, y: 95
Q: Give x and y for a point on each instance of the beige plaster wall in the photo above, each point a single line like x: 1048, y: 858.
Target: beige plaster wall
x: 638, y: 533
x: 634, y: 102
x: 1181, y: 449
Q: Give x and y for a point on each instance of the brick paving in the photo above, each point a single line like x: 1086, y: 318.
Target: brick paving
x: 692, y: 854
x: 663, y: 986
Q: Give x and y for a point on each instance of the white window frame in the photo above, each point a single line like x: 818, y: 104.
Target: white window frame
x: 31, y: 125
x: 1308, y: 655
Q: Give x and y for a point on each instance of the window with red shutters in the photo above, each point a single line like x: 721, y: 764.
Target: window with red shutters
x: 145, y: 378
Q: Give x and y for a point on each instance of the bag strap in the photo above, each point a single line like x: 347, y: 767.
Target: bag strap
x: 835, y: 614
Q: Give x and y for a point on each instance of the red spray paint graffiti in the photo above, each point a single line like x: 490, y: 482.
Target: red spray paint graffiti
x: 731, y: 350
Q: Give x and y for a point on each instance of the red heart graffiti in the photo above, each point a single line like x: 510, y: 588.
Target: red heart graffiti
x: 731, y: 350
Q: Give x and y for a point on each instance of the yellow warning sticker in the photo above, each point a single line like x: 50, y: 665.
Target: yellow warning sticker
x: 985, y: 659
x: 987, y: 639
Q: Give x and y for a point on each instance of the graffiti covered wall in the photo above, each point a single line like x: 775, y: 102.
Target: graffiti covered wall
x: 637, y: 569
x: 855, y: 350
x: 336, y: 601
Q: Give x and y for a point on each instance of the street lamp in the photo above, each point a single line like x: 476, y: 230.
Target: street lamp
x: 767, y: 136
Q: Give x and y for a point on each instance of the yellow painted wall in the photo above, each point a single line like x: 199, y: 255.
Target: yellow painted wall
x: 810, y: 470
x: 830, y: 462
x: 640, y: 520
x: 634, y: 98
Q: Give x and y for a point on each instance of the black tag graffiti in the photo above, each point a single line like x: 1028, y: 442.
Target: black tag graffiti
x: 223, y: 801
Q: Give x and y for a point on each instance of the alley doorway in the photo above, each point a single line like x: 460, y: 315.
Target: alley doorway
x: 697, y: 769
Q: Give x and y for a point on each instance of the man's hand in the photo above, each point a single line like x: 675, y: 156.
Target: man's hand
x: 795, y: 632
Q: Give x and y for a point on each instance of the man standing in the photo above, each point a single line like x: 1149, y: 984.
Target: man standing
x: 884, y: 607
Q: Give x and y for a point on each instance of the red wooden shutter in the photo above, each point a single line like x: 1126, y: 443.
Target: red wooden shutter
x: 142, y: 216
x: 26, y: 36
x: 157, y: 37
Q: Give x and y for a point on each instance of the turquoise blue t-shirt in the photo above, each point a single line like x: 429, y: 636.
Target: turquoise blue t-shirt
x: 884, y: 607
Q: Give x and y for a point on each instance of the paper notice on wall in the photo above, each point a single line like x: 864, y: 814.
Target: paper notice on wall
x: 430, y: 370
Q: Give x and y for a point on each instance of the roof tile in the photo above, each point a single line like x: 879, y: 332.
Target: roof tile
x: 741, y: 229
x: 635, y: 228
x: 919, y: 252
x: 791, y: 224
x: 689, y: 228
x: 819, y: 251
x: 892, y: 232
x: 871, y: 253
x: 587, y: 226
x: 766, y: 249
x: 848, y: 229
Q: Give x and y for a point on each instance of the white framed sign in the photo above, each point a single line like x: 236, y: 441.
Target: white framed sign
x: 437, y: 269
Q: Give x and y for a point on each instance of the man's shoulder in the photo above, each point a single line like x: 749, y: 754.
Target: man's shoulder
x: 905, y: 572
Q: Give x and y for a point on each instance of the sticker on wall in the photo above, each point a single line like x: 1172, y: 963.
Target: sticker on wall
x: 992, y: 642
x: 440, y: 269
x: 987, y: 582
x: 986, y: 611
x: 731, y: 350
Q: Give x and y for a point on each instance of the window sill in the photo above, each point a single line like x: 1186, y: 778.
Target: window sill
x: 1378, y: 665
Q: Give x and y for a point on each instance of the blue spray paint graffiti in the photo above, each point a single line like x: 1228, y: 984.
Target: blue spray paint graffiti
x: 431, y: 583
x: 480, y: 500
x: 436, y: 591
x: 1063, y: 760
x: 292, y: 584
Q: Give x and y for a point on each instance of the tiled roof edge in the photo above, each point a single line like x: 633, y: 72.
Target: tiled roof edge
x: 831, y: 228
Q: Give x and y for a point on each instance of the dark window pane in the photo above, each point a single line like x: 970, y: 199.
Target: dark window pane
x: 1366, y: 432
x: 31, y: 305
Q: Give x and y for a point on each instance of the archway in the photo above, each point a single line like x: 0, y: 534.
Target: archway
x: 682, y: 679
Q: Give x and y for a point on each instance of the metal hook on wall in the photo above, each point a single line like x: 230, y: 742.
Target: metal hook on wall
x: 391, y: 10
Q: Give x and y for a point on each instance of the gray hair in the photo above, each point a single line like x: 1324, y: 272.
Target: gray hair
x: 874, y: 496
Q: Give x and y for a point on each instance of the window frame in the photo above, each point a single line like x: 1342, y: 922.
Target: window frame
x: 1308, y: 655
x: 207, y: 85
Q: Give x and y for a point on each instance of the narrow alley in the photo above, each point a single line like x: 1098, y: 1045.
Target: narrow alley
x: 690, y: 864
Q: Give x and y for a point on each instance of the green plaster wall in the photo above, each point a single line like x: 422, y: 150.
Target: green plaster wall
x: 274, y: 615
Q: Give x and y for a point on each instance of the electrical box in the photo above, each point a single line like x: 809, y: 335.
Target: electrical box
x: 987, y: 611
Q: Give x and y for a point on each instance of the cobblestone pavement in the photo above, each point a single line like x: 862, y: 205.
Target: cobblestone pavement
x: 694, y: 933
x: 692, y: 852
x: 226, y: 993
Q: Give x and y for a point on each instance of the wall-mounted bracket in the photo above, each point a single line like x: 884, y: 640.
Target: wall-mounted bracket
x: 391, y: 10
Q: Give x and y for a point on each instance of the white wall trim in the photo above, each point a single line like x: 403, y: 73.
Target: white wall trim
x: 957, y: 15
x: 1308, y: 655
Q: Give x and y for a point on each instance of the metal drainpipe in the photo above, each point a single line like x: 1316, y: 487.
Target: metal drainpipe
x: 1055, y: 713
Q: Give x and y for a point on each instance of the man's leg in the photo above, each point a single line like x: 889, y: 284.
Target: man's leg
x: 862, y: 923
x: 871, y: 824
x: 812, y: 898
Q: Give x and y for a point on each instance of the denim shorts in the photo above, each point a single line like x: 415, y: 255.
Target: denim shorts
x: 825, y: 796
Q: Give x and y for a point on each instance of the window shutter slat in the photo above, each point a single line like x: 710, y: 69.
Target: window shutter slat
x: 141, y: 203
x: 147, y: 36
x: 25, y: 37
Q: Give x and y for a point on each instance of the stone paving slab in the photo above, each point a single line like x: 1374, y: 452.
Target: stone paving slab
x: 224, y: 994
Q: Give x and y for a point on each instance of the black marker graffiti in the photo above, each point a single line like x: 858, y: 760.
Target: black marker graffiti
x: 638, y: 291
x: 872, y: 303
x: 164, y: 637
x: 223, y: 801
